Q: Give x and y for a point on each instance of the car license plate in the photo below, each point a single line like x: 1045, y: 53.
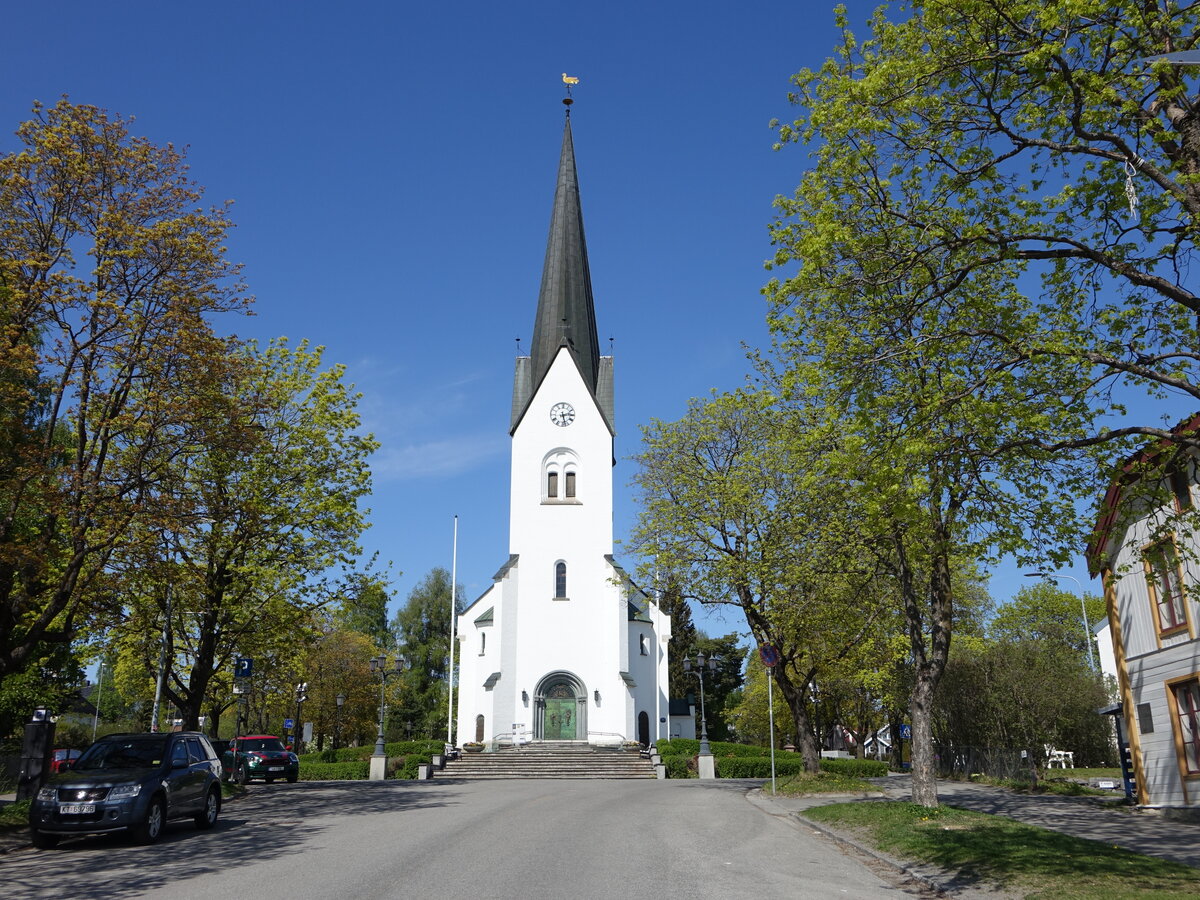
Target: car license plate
x: 274, y: 768
x: 76, y: 809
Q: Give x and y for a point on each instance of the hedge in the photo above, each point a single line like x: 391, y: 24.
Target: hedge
x: 747, y: 761
x: 855, y: 768
x: 677, y: 766
x: 338, y: 771
x: 366, y: 751
x: 756, y: 766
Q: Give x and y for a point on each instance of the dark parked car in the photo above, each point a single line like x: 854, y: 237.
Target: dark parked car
x: 259, y: 756
x: 133, y: 782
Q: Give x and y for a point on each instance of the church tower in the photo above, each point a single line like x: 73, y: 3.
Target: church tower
x: 563, y: 646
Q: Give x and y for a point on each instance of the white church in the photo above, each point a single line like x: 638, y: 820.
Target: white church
x: 563, y: 646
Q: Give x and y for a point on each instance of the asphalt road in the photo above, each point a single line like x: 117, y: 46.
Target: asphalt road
x: 448, y: 839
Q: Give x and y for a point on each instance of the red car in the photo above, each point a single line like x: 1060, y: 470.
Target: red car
x: 60, y: 760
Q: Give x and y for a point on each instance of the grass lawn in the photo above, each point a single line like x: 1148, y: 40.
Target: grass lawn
x: 14, y: 815
x: 821, y: 783
x: 995, y: 850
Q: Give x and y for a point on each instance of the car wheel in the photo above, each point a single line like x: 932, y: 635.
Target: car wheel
x: 41, y: 840
x: 207, y: 818
x: 152, y: 825
x: 292, y: 779
x: 243, y: 777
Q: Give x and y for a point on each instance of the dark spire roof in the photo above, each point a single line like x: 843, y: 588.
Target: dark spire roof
x: 565, y: 312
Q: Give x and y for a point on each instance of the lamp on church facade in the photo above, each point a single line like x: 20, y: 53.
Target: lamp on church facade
x: 380, y: 664
x: 701, y: 663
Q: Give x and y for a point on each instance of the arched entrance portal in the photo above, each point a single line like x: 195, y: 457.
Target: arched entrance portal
x: 644, y: 728
x: 560, y: 708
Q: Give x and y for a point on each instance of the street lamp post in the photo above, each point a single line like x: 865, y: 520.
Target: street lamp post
x: 301, y: 696
x: 380, y: 664
x: 701, y: 663
x: 340, y: 700
x: 1087, y: 628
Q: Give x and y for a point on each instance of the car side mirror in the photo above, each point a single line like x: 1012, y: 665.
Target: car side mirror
x: 179, y: 764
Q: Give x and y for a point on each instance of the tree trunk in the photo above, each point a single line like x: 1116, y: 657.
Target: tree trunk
x: 924, y: 773
x: 795, y: 699
x: 896, y: 752
x: 930, y: 643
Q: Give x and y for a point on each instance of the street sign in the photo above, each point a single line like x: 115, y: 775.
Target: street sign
x: 769, y: 655
x: 243, y: 667
x: 906, y: 732
x: 289, y: 723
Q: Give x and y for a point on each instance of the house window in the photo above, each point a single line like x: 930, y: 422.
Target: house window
x: 1187, y: 711
x: 560, y: 581
x: 551, y: 484
x: 482, y: 643
x: 642, y: 644
x: 1181, y: 487
x: 569, y: 493
x: 1166, y: 586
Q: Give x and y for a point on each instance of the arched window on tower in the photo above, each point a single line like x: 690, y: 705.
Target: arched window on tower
x: 560, y: 483
x: 560, y: 580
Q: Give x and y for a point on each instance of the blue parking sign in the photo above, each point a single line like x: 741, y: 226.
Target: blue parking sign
x: 243, y: 667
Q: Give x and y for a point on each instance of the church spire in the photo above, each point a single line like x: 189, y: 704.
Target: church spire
x: 565, y: 311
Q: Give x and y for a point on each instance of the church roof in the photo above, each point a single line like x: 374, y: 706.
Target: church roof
x: 566, y: 313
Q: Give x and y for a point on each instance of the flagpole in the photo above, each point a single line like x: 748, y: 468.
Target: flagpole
x: 453, y: 633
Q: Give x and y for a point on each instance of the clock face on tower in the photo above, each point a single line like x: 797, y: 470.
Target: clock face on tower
x: 562, y: 414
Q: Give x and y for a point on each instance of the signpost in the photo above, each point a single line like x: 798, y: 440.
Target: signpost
x: 770, y: 658
x: 243, y: 668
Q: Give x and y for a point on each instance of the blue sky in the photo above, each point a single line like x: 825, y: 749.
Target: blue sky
x: 392, y: 167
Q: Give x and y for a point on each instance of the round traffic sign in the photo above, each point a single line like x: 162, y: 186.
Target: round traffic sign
x: 768, y: 654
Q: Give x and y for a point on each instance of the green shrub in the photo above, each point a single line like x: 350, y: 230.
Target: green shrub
x: 855, y: 768
x: 755, y: 766
x: 678, y: 766
x: 338, y: 771
x: 365, y: 752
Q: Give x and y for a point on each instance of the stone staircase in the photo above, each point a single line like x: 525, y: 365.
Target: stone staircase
x: 550, y: 760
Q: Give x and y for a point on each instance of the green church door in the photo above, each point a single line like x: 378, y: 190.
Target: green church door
x: 560, y: 721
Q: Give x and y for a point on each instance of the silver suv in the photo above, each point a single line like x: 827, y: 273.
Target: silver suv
x: 133, y: 782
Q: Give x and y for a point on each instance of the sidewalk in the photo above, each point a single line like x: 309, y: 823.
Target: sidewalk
x: 1091, y: 818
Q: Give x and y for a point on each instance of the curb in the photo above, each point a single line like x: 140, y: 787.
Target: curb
x: 846, y: 841
x: 841, y: 839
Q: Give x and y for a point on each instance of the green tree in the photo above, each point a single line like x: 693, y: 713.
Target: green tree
x: 683, y: 636
x: 362, y: 607
x: 109, y: 274
x: 1039, y: 143
x: 1027, y: 684
x: 255, y: 520
x: 731, y: 507
x: 1046, y: 614
x: 422, y: 629
x: 338, y: 663
x: 722, y: 684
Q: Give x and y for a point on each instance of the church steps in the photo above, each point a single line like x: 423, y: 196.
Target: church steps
x: 533, y: 761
